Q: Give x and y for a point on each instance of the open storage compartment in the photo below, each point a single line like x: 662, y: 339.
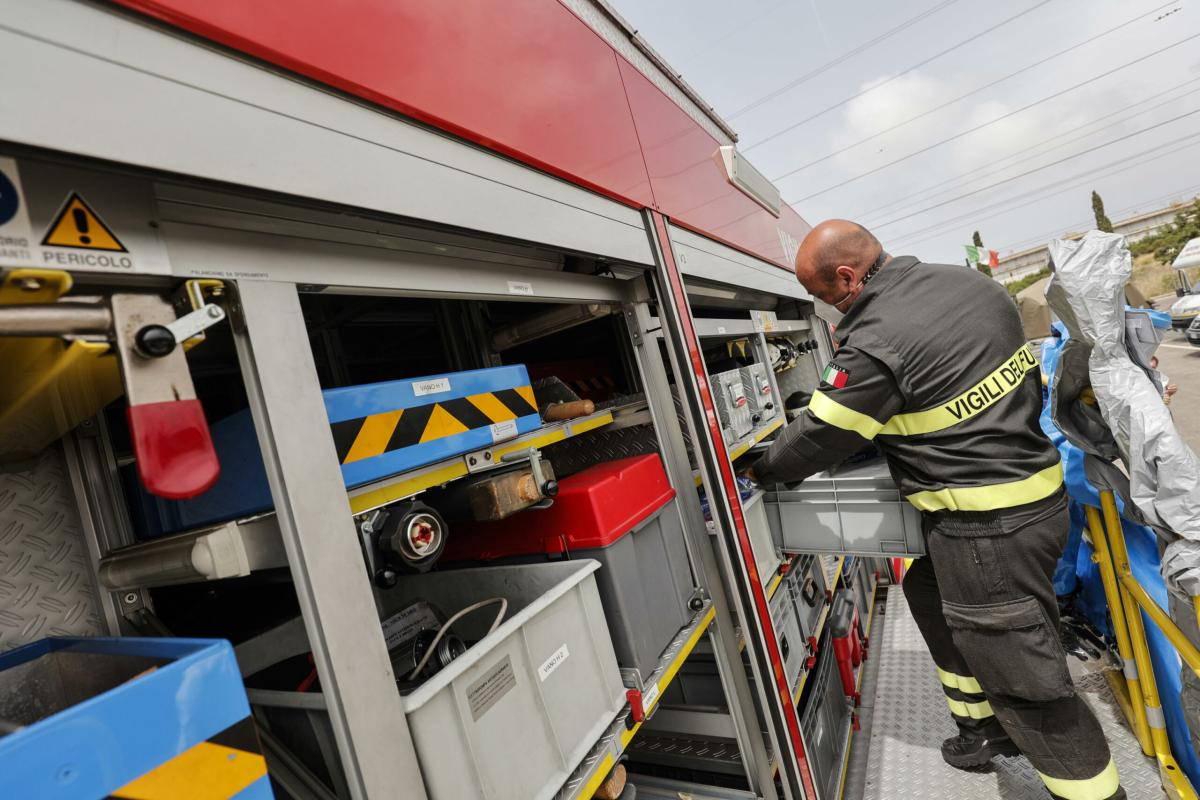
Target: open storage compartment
x: 550, y: 665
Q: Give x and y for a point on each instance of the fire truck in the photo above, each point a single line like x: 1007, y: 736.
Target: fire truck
x: 377, y: 375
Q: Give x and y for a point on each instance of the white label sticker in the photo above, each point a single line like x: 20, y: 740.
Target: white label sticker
x: 493, y: 685
x: 407, y: 622
x: 553, y: 662
x: 503, y: 430
x: 520, y: 287
x: 16, y: 235
x: 649, y: 698
x: 432, y: 386
x: 720, y: 329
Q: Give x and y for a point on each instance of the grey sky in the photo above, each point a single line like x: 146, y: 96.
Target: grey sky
x: 736, y: 53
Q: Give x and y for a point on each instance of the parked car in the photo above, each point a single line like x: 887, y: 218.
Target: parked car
x: 1187, y: 307
x: 1193, y: 333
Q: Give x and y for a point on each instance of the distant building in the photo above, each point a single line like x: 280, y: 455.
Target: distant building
x: 1015, y: 266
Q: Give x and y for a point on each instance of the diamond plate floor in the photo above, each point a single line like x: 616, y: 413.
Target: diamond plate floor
x: 46, y: 585
x: 895, y: 756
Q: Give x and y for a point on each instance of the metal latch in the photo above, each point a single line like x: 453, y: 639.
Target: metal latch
x: 548, y: 487
x: 156, y: 341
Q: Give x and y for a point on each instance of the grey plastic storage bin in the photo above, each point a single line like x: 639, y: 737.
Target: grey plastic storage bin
x: 792, y: 646
x: 825, y: 722
x: 512, y: 717
x: 855, y: 511
x: 625, y: 515
x: 766, y: 554
x: 807, y: 588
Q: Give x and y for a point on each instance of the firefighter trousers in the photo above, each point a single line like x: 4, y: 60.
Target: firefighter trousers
x: 985, y: 604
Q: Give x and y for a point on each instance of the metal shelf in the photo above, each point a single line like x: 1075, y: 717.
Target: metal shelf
x: 406, y: 484
x: 596, y: 766
x: 257, y: 541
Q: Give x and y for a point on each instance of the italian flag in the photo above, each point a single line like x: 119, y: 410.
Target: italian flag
x: 835, y: 376
x: 981, y: 255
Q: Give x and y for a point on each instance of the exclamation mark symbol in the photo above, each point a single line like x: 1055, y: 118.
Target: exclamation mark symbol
x: 81, y: 225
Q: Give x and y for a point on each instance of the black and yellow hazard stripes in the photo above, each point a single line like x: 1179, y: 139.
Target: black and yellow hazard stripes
x: 217, y: 769
x: 983, y: 395
x: 370, y: 436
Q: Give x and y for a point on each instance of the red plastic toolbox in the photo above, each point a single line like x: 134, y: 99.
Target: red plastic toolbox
x: 623, y: 514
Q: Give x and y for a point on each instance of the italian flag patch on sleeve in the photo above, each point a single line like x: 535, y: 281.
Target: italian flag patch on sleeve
x: 835, y: 376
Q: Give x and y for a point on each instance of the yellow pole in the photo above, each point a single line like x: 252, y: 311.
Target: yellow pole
x: 1168, y: 768
x: 1124, y: 649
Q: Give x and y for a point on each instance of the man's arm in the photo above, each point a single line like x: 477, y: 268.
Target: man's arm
x: 857, y: 395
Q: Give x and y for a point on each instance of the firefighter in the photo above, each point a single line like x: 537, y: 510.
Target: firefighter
x: 933, y: 367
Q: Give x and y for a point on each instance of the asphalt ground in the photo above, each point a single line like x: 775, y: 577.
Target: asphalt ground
x: 1181, y: 364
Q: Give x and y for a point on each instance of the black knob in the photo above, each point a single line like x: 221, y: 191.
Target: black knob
x: 550, y: 488
x: 756, y: 418
x: 770, y: 406
x: 154, y: 341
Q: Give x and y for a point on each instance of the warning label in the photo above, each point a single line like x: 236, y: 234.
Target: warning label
x: 77, y: 225
x: 491, y: 686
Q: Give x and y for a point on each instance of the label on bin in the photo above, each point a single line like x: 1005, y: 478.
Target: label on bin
x: 649, y: 697
x: 491, y: 686
x: 431, y: 386
x: 407, y: 623
x: 553, y: 662
x: 503, y: 430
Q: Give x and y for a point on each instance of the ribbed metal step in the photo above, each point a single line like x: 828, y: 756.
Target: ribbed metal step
x: 708, y: 755
x: 896, y: 756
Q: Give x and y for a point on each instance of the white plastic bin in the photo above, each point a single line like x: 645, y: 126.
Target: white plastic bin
x: 512, y: 717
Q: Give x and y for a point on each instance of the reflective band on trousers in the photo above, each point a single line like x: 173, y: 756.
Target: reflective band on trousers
x: 961, y: 682
x: 1037, y: 486
x: 981, y: 710
x: 1100, y: 787
x: 1002, y: 381
x: 826, y: 409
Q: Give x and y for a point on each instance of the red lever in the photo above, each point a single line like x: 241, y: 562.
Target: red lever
x: 635, y: 705
x: 173, y: 448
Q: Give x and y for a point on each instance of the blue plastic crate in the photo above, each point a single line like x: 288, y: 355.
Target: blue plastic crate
x: 379, y: 429
x: 135, y: 718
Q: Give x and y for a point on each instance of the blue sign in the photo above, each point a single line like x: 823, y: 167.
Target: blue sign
x: 10, y: 201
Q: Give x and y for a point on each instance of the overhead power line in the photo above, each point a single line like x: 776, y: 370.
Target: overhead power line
x: 1141, y: 204
x: 974, y: 91
x: 981, y: 126
x: 982, y: 170
x: 843, y: 57
x: 897, y: 76
x: 1042, y: 193
x: 1027, y: 173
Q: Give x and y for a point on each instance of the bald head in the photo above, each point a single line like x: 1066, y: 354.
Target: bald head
x: 834, y: 257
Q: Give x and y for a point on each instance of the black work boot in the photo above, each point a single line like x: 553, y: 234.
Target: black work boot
x: 969, y: 752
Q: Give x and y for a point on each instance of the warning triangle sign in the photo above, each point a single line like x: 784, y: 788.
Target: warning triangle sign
x: 78, y: 226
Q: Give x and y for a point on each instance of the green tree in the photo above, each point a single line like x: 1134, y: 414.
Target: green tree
x: 977, y: 240
x: 1103, y: 223
x: 1167, y: 242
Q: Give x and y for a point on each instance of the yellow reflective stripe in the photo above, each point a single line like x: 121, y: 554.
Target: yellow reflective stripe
x: 1100, y: 787
x: 961, y: 682
x: 826, y: 409
x: 1001, y: 382
x: 205, y: 772
x: 997, y: 495
x: 981, y: 710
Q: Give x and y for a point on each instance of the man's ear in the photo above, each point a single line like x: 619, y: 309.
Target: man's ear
x: 845, y: 276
